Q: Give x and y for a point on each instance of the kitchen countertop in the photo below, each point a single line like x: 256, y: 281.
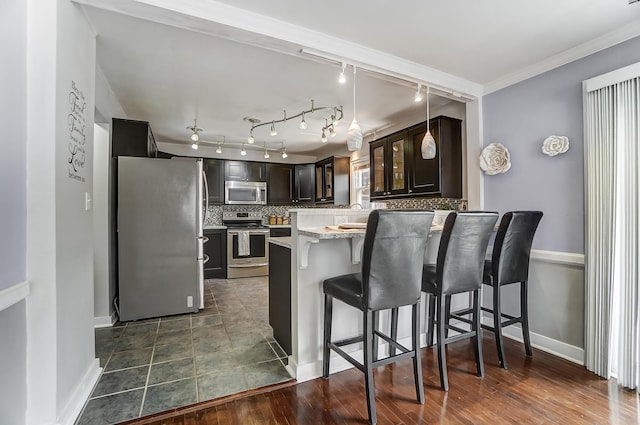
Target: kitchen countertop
x: 284, y: 241
x: 325, y: 233
x: 330, y: 233
x: 214, y: 227
x: 279, y: 225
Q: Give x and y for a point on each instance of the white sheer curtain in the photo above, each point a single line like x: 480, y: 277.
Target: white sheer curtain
x: 612, y: 223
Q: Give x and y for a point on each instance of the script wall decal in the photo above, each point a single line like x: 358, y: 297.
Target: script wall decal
x: 77, y: 137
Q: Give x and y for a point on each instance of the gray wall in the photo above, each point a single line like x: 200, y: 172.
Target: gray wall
x: 521, y: 117
x: 13, y: 209
x: 13, y: 181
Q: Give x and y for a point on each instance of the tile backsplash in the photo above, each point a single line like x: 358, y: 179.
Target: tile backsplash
x: 214, y: 213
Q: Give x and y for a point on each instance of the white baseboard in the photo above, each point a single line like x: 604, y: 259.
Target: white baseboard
x: 557, y: 348
x: 105, y: 321
x: 561, y: 349
x: 81, y: 394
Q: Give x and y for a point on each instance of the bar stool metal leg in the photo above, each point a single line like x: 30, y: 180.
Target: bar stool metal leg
x: 497, y: 326
x: 524, y: 317
x: 442, y: 357
x: 431, y: 320
x: 326, y: 351
x: 417, y: 364
x: 376, y: 325
x: 394, y: 330
x: 368, y: 368
x: 478, y: 332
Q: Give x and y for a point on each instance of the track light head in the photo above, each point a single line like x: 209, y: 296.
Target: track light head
x: 303, y: 123
x: 250, y: 139
x: 243, y: 152
x: 273, y: 131
x: 418, y: 96
x: 219, y: 149
x: 194, y: 145
x: 342, y: 78
x: 332, y: 131
x: 324, y: 137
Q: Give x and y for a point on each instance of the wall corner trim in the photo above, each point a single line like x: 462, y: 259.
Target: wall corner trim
x: 14, y: 294
x: 557, y: 257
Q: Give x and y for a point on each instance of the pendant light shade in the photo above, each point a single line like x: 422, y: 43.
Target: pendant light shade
x: 354, y: 135
x: 428, y: 147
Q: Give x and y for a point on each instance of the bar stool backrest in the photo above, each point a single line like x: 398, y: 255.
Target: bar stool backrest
x: 462, y: 250
x: 394, y: 246
x: 512, y: 246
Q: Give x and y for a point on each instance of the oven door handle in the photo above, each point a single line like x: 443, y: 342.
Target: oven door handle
x: 246, y: 266
x: 251, y: 232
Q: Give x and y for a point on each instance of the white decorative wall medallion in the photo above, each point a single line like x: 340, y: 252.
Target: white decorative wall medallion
x: 495, y: 159
x: 554, y: 145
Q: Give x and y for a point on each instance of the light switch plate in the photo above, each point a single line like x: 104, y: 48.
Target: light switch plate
x: 87, y: 201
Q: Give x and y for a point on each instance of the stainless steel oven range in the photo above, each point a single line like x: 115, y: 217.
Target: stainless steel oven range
x: 247, y: 244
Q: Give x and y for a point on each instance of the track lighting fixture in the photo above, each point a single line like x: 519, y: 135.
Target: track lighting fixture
x: 324, y: 137
x: 342, y: 78
x: 250, y: 139
x: 194, y: 133
x: 303, y: 123
x: 336, y: 116
x: 266, y: 152
x: 243, y: 152
x: 284, y: 153
x: 332, y: 131
x: 418, y: 97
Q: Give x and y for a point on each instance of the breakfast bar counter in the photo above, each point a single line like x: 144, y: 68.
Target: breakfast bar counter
x: 321, y: 249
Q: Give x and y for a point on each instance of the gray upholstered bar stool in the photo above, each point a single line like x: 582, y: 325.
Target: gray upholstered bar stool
x: 510, y: 264
x: 392, y: 255
x: 461, y: 254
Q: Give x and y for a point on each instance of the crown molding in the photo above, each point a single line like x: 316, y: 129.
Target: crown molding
x: 605, y: 41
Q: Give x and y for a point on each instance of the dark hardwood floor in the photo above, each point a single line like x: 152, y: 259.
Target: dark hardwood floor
x: 543, y: 389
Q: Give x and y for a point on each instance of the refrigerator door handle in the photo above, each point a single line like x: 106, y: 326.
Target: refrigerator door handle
x: 206, y: 258
x: 206, y: 197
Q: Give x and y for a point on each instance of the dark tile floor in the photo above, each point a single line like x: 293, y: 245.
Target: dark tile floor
x: 159, y: 364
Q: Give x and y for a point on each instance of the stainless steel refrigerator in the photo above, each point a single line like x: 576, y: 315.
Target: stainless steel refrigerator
x: 159, y: 221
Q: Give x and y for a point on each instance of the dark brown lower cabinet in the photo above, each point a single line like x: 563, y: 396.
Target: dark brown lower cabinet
x: 280, y: 295
x: 216, y: 249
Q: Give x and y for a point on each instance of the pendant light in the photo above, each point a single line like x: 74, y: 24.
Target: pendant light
x: 428, y: 147
x: 354, y: 135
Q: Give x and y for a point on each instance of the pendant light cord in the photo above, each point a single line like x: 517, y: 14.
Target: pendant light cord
x: 354, y: 92
x: 427, y: 109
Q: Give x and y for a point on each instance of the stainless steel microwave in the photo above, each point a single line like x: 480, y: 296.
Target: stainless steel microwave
x: 245, y: 193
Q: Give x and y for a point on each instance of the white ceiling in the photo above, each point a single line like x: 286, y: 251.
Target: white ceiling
x: 169, y: 75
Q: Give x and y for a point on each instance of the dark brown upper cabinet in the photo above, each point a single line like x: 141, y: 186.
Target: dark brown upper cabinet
x: 214, y: 170
x: 132, y: 138
x: 246, y: 171
x: 397, y: 176
x: 290, y: 184
x: 389, y: 157
x: 332, y: 181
